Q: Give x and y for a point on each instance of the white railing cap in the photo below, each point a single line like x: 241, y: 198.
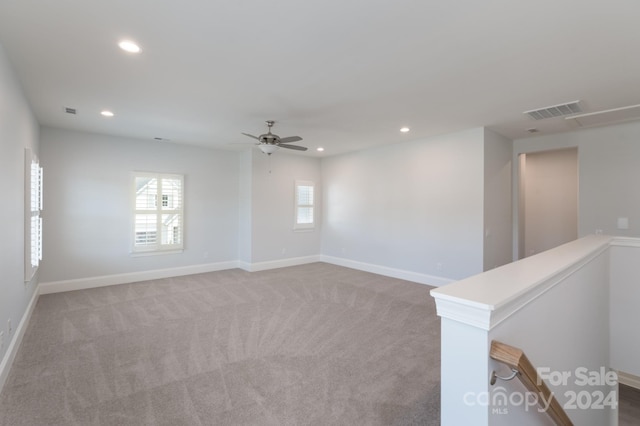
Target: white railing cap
x: 486, y: 299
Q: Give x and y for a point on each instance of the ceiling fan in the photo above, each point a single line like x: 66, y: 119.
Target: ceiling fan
x: 269, y: 142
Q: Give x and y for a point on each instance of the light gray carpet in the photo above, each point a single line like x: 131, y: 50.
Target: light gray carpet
x: 315, y: 344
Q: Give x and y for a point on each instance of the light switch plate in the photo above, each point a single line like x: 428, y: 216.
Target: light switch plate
x: 623, y: 223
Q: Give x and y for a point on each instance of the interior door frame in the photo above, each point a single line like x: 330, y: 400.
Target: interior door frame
x: 519, y: 165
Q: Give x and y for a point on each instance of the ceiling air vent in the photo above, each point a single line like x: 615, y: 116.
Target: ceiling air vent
x: 555, y: 111
x: 70, y: 110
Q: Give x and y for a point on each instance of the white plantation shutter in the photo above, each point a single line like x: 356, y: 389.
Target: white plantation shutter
x: 304, y: 213
x: 158, y: 212
x: 33, y: 221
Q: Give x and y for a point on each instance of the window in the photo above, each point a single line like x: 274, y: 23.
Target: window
x: 304, y: 205
x: 33, y: 221
x: 158, y: 226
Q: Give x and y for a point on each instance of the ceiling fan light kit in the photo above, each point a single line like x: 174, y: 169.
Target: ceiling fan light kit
x: 270, y: 143
x: 268, y: 149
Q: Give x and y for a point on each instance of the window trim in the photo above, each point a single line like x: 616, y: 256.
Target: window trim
x: 304, y: 226
x: 158, y: 247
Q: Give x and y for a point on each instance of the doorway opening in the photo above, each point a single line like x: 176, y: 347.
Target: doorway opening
x: 548, y: 200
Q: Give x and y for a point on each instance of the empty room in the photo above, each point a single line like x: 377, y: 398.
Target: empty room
x: 323, y: 213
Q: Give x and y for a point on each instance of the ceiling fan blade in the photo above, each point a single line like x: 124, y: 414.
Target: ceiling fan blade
x: 251, y: 136
x: 291, y: 139
x: 296, y: 147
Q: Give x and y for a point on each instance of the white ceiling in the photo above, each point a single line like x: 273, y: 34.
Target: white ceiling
x: 343, y: 74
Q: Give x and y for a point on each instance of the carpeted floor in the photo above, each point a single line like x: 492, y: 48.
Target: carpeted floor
x: 316, y: 344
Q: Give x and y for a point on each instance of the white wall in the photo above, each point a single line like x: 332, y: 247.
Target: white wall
x: 608, y: 174
x: 87, y: 215
x: 550, y: 199
x: 415, y: 206
x: 497, y: 200
x: 245, y: 213
x: 272, y: 206
x: 18, y: 130
x: 623, y: 307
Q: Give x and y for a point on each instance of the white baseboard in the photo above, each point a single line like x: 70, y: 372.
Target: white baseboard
x: 106, y: 280
x: 280, y: 263
x: 629, y: 379
x: 388, y: 272
x: 12, y: 350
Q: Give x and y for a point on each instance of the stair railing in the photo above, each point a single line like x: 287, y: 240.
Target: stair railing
x: 522, y: 368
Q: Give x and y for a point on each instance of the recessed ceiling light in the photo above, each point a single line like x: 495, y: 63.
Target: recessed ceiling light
x: 319, y: 149
x: 129, y: 46
x: 404, y: 129
x: 107, y: 113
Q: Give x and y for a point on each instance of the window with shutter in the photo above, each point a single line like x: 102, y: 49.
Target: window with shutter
x: 304, y: 207
x: 158, y: 212
x: 33, y: 221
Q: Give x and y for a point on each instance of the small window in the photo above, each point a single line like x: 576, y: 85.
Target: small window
x: 158, y: 226
x: 33, y: 221
x: 304, y: 213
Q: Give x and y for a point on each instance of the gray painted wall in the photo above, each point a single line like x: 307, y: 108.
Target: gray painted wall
x: 550, y: 202
x: 245, y: 213
x: 18, y: 130
x: 272, y: 206
x: 415, y: 206
x: 608, y: 174
x: 497, y: 200
x: 88, y: 200
x: 624, y: 296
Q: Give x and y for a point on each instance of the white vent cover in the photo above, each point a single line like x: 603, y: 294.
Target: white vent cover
x: 555, y: 111
x: 609, y: 116
x: 70, y: 110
